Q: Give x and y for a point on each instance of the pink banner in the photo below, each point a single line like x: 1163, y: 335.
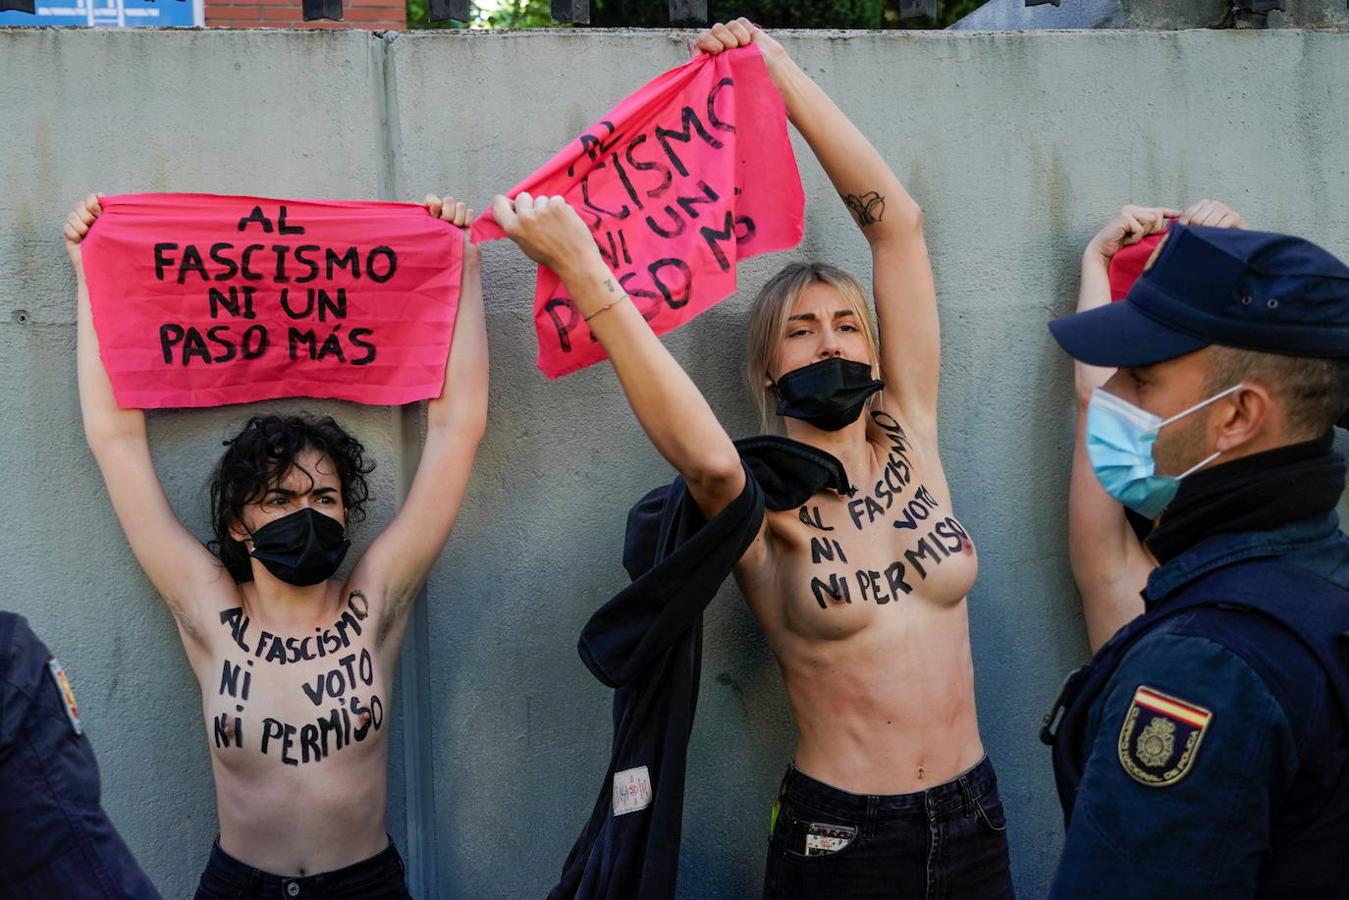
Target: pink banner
x: 201, y: 300
x: 1129, y: 263
x: 683, y: 179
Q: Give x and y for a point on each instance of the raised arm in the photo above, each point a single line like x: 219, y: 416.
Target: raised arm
x: 668, y: 405
x: 890, y: 220
x: 187, y: 576
x: 1110, y: 564
x: 399, y: 560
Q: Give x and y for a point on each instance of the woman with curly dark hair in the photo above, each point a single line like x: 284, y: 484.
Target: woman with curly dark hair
x: 296, y: 667
x: 261, y: 456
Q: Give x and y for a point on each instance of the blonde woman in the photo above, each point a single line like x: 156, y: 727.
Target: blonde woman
x: 860, y: 591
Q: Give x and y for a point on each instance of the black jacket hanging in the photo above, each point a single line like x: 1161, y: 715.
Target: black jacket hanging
x: 646, y: 643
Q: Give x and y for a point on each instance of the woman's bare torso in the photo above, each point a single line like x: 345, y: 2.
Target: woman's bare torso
x: 863, y: 604
x: 297, y: 721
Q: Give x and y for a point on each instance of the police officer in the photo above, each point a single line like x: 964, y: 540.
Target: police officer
x: 56, y: 843
x: 1204, y: 752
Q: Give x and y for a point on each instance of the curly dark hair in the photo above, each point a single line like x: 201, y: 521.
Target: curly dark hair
x: 260, y: 456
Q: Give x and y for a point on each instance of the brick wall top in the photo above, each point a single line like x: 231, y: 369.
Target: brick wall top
x: 375, y: 15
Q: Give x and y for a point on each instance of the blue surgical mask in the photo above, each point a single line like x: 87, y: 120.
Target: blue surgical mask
x: 1120, y: 438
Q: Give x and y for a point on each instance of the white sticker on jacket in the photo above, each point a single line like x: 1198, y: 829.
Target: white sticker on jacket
x: 632, y: 790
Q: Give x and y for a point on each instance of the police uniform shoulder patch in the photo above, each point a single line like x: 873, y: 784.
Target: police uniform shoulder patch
x: 1160, y: 737
x: 67, y: 695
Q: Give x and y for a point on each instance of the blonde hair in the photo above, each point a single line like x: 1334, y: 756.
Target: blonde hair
x: 768, y: 322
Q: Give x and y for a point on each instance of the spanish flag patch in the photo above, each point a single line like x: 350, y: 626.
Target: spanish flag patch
x: 1160, y: 737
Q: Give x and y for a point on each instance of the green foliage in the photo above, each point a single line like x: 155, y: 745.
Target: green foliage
x: 500, y: 14
x: 418, y: 17
x: 865, y: 14
x: 948, y: 13
x: 517, y: 14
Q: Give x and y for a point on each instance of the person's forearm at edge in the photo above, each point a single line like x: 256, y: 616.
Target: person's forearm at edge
x: 1100, y: 541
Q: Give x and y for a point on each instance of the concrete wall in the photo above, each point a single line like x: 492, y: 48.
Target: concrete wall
x: 1017, y: 145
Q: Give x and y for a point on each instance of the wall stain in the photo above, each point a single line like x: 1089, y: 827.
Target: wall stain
x: 727, y: 680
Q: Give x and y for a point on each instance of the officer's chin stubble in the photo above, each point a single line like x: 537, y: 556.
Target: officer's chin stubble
x: 1181, y: 445
x: 1166, y: 389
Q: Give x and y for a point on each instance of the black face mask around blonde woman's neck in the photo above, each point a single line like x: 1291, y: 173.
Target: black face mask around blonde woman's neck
x: 829, y: 394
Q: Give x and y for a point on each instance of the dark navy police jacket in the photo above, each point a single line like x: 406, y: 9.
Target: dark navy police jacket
x: 56, y: 843
x: 1204, y: 753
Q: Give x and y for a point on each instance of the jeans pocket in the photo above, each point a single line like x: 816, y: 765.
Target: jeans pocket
x: 804, y: 834
x: 989, y: 810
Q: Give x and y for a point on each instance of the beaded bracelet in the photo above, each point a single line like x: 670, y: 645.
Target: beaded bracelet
x: 610, y: 305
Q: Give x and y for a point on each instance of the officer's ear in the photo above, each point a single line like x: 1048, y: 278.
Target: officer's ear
x: 1243, y: 416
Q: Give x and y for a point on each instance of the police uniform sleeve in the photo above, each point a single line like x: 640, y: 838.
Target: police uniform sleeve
x: 1188, y: 747
x: 55, y: 838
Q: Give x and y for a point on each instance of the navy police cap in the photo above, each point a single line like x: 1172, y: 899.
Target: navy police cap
x: 1250, y: 289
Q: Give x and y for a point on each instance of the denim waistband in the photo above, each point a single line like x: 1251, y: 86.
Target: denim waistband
x: 239, y: 875
x: 958, y: 794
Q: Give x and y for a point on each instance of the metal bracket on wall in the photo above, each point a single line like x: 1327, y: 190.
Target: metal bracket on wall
x: 912, y: 9
x: 322, y: 9
x: 444, y: 10
x: 574, y: 11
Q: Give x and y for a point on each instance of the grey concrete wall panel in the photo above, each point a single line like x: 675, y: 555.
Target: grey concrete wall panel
x: 1017, y: 145
x: 1018, y: 148
x: 249, y: 113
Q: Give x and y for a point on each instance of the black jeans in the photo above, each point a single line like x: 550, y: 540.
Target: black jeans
x: 379, y: 878
x: 946, y: 843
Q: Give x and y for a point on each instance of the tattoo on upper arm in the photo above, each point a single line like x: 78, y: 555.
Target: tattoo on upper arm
x: 867, y: 209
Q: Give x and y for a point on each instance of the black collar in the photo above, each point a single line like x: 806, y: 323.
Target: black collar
x: 1254, y: 493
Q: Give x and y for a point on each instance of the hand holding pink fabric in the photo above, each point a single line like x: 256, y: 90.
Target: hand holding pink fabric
x: 683, y: 179
x: 201, y: 300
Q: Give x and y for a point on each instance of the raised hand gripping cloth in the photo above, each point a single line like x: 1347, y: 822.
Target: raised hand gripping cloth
x: 202, y: 300
x: 679, y: 182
